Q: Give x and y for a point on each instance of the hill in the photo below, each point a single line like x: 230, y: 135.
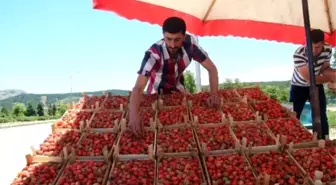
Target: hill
x: 34, y: 99
x: 8, y: 93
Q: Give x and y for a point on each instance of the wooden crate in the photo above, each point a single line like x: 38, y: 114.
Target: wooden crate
x: 151, y: 146
x: 275, y: 149
x: 106, y: 152
x: 112, y: 180
x: 243, y: 141
x: 36, y: 162
x: 66, y: 149
x: 164, y: 156
x: 202, y: 147
x: 151, y: 120
x: 215, y: 155
x: 74, y: 159
x: 318, y: 174
x: 313, y: 142
x: 185, y: 119
x: 115, y: 122
x: 195, y: 119
x: 160, y: 149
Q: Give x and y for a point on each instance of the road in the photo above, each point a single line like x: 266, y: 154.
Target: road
x: 15, y: 143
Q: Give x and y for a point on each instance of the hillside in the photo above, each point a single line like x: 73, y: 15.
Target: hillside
x: 8, y: 93
x: 51, y: 98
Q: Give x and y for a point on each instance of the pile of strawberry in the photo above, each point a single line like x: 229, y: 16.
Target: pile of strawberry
x: 171, y: 116
x: 270, y: 107
x: 72, y: 119
x: 89, y: 102
x: 206, y: 115
x: 238, y: 111
x: 255, y: 133
x: 174, y: 99
x: 291, y: 128
x: 278, y: 165
x: 94, y: 142
x: 105, y: 119
x: 229, y: 169
x: 254, y: 94
x: 216, y: 138
x: 228, y: 96
x: 176, y: 140
x: 130, y: 144
x: 55, y: 142
x: 114, y: 102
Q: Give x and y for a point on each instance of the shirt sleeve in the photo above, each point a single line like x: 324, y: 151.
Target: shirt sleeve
x: 150, y: 62
x: 299, y: 59
x: 197, y: 52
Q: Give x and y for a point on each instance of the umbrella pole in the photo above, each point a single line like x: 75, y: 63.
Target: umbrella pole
x: 198, y: 73
x: 314, y: 93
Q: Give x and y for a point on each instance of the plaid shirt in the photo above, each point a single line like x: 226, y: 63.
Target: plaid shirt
x: 167, y: 73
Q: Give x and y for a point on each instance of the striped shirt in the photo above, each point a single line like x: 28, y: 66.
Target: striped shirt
x: 301, y: 59
x: 165, y: 72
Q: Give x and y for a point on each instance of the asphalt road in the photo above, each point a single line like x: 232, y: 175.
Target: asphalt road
x: 15, y: 143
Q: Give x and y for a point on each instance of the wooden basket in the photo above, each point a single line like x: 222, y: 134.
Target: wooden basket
x: 130, y: 159
x: 151, y: 147
x: 203, y: 158
x: 318, y: 174
x: 74, y: 159
x: 160, y: 151
x: 37, y: 160
x: 202, y: 147
x: 164, y: 156
x: 266, y: 177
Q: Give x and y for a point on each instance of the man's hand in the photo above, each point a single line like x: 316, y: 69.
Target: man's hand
x: 214, y: 101
x: 136, y: 125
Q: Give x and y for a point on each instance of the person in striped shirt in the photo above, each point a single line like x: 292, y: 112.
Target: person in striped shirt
x: 163, y: 66
x: 299, y: 91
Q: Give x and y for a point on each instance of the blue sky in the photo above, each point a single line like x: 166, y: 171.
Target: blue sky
x: 44, y: 42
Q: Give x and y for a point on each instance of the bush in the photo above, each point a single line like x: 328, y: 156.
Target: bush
x: 331, y: 118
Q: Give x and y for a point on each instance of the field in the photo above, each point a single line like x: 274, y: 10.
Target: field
x: 251, y: 139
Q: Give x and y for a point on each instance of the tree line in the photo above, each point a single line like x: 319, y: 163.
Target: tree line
x: 22, y: 112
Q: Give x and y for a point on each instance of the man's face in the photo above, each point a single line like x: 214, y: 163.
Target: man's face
x: 317, y: 48
x: 173, y: 41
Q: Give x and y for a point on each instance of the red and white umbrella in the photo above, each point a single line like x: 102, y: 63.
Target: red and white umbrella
x: 279, y: 20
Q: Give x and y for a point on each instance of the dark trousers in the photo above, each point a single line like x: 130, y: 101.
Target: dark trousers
x: 299, y: 95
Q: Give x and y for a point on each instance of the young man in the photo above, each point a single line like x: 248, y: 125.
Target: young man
x: 163, y: 65
x: 299, y: 92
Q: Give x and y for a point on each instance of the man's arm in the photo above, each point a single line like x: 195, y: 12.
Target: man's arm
x: 149, y: 63
x: 201, y: 56
x: 138, y: 89
x: 301, y: 63
x: 304, y: 71
x: 213, y: 74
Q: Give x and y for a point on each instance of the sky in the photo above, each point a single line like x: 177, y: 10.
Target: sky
x: 59, y: 46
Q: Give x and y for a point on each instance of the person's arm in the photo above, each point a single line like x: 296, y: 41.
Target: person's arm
x: 199, y: 55
x: 326, y: 63
x: 213, y: 75
x: 301, y: 63
x: 304, y: 71
x: 148, y: 65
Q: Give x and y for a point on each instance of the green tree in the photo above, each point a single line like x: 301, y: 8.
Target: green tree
x: 18, y: 110
x: 189, y: 81
x: 39, y: 108
x: 30, y: 111
x: 53, y: 110
x: 61, y: 108
x: 4, y: 112
x: 50, y: 109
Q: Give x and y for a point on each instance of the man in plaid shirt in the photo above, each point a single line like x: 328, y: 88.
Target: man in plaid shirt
x: 163, y: 66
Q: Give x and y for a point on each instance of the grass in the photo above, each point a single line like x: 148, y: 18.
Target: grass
x: 332, y: 118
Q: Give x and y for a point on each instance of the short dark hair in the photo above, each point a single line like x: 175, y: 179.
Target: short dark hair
x: 316, y: 36
x: 174, y: 25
